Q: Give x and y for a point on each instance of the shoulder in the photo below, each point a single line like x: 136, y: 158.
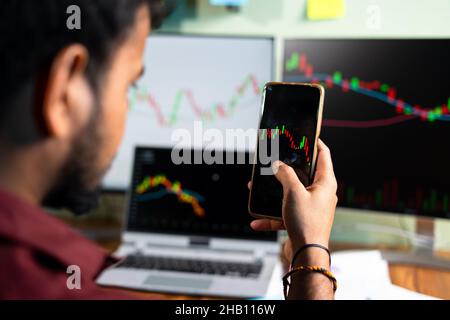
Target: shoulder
x: 29, y: 274
x: 24, y: 272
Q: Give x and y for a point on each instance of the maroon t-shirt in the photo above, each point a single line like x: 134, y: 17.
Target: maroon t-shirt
x: 36, y: 250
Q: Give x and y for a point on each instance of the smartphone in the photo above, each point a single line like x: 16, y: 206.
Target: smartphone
x: 291, y: 118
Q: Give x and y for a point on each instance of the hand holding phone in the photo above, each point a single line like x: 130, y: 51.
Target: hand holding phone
x: 289, y: 130
x: 308, y: 212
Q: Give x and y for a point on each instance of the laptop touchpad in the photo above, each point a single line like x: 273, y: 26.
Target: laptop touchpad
x: 178, y: 282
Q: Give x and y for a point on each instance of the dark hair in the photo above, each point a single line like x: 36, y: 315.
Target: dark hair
x: 33, y: 32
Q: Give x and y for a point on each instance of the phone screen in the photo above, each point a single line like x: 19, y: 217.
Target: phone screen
x: 290, y: 116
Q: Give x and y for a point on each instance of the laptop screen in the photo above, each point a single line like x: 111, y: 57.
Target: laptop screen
x: 191, y: 199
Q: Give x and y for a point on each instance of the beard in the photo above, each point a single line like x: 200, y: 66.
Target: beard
x: 78, y: 188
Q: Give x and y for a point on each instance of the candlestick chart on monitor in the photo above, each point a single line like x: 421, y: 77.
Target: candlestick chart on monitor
x: 193, y: 82
x: 386, y: 119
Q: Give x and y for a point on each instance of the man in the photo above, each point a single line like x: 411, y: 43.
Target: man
x: 63, y: 104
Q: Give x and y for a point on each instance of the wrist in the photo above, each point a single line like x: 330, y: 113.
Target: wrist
x: 312, y: 256
x: 299, y: 243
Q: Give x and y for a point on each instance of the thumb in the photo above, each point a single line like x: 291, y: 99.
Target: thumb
x: 287, y: 177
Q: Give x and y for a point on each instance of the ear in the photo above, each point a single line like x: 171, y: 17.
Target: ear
x: 67, y: 98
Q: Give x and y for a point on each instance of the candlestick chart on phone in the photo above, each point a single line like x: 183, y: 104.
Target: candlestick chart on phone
x: 296, y: 144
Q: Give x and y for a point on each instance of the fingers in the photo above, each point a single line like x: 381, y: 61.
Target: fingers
x: 324, y: 162
x: 249, y: 185
x: 267, y: 225
x: 324, y: 170
x: 287, y: 176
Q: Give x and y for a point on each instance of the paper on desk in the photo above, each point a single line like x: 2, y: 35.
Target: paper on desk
x: 394, y: 292
x: 275, y: 289
x: 362, y: 275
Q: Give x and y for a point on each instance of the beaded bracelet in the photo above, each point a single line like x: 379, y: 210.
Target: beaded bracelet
x: 314, y: 269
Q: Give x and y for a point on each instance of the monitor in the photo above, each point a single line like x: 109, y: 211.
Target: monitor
x: 192, y: 84
x: 191, y: 199
x: 386, y: 119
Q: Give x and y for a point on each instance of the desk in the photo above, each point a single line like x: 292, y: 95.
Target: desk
x: 434, y: 282
x: 430, y: 281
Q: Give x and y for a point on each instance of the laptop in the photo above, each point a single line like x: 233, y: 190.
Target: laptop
x: 187, y: 229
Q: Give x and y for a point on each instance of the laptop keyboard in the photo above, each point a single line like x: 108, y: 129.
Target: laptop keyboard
x: 246, y: 270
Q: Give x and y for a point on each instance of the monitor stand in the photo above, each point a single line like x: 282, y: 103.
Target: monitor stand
x: 422, y: 251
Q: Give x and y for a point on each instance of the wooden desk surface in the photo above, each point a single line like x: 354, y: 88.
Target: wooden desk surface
x: 433, y: 282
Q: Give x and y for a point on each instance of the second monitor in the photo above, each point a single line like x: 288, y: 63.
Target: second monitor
x: 386, y: 119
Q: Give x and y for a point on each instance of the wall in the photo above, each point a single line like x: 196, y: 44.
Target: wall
x: 286, y: 18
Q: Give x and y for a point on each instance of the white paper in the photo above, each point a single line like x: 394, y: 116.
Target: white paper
x: 361, y: 275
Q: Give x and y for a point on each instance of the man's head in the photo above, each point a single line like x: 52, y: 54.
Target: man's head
x: 63, y: 93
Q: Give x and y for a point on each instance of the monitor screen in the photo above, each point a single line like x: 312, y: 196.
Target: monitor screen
x: 386, y: 119
x: 192, y: 84
x: 191, y: 199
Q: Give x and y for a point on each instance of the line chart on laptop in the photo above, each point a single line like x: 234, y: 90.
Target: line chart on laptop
x: 153, y: 188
